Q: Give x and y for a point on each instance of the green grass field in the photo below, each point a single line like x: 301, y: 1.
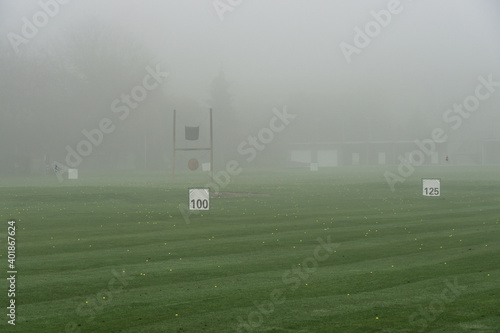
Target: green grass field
x: 115, y: 254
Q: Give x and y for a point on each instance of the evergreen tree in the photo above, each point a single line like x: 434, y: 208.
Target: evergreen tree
x: 225, y: 124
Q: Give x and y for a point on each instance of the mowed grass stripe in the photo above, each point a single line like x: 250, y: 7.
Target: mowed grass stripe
x: 245, y: 245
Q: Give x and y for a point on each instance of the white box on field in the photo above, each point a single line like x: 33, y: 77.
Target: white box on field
x: 72, y: 173
x: 381, y: 158
x: 199, y: 199
x: 431, y: 187
x: 205, y: 166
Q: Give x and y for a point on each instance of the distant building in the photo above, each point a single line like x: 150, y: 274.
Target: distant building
x: 351, y: 153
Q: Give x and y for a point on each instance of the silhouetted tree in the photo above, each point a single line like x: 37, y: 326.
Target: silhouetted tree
x: 225, y: 125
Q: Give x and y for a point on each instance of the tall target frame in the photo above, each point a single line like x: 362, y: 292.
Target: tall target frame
x: 187, y: 149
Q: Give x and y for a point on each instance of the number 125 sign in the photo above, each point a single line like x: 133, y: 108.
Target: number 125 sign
x: 431, y: 187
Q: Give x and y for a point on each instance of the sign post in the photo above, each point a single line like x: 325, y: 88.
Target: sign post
x: 192, y: 134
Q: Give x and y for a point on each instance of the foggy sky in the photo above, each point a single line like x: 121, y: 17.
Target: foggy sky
x: 276, y: 53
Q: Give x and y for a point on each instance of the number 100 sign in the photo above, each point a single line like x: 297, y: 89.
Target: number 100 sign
x: 431, y: 187
x: 199, y: 199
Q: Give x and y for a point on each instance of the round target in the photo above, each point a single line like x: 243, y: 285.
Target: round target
x: 193, y: 164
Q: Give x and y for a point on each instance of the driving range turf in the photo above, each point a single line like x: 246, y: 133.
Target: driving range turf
x: 114, y: 253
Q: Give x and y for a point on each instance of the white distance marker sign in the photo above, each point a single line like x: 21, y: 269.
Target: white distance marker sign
x: 72, y: 173
x: 431, y: 187
x: 199, y: 199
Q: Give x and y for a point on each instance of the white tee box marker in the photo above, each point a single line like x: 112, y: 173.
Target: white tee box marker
x: 431, y: 187
x: 72, y: 173
x: 199, y: 199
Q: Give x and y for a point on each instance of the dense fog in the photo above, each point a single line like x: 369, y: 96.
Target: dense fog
x: 93, y: 84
